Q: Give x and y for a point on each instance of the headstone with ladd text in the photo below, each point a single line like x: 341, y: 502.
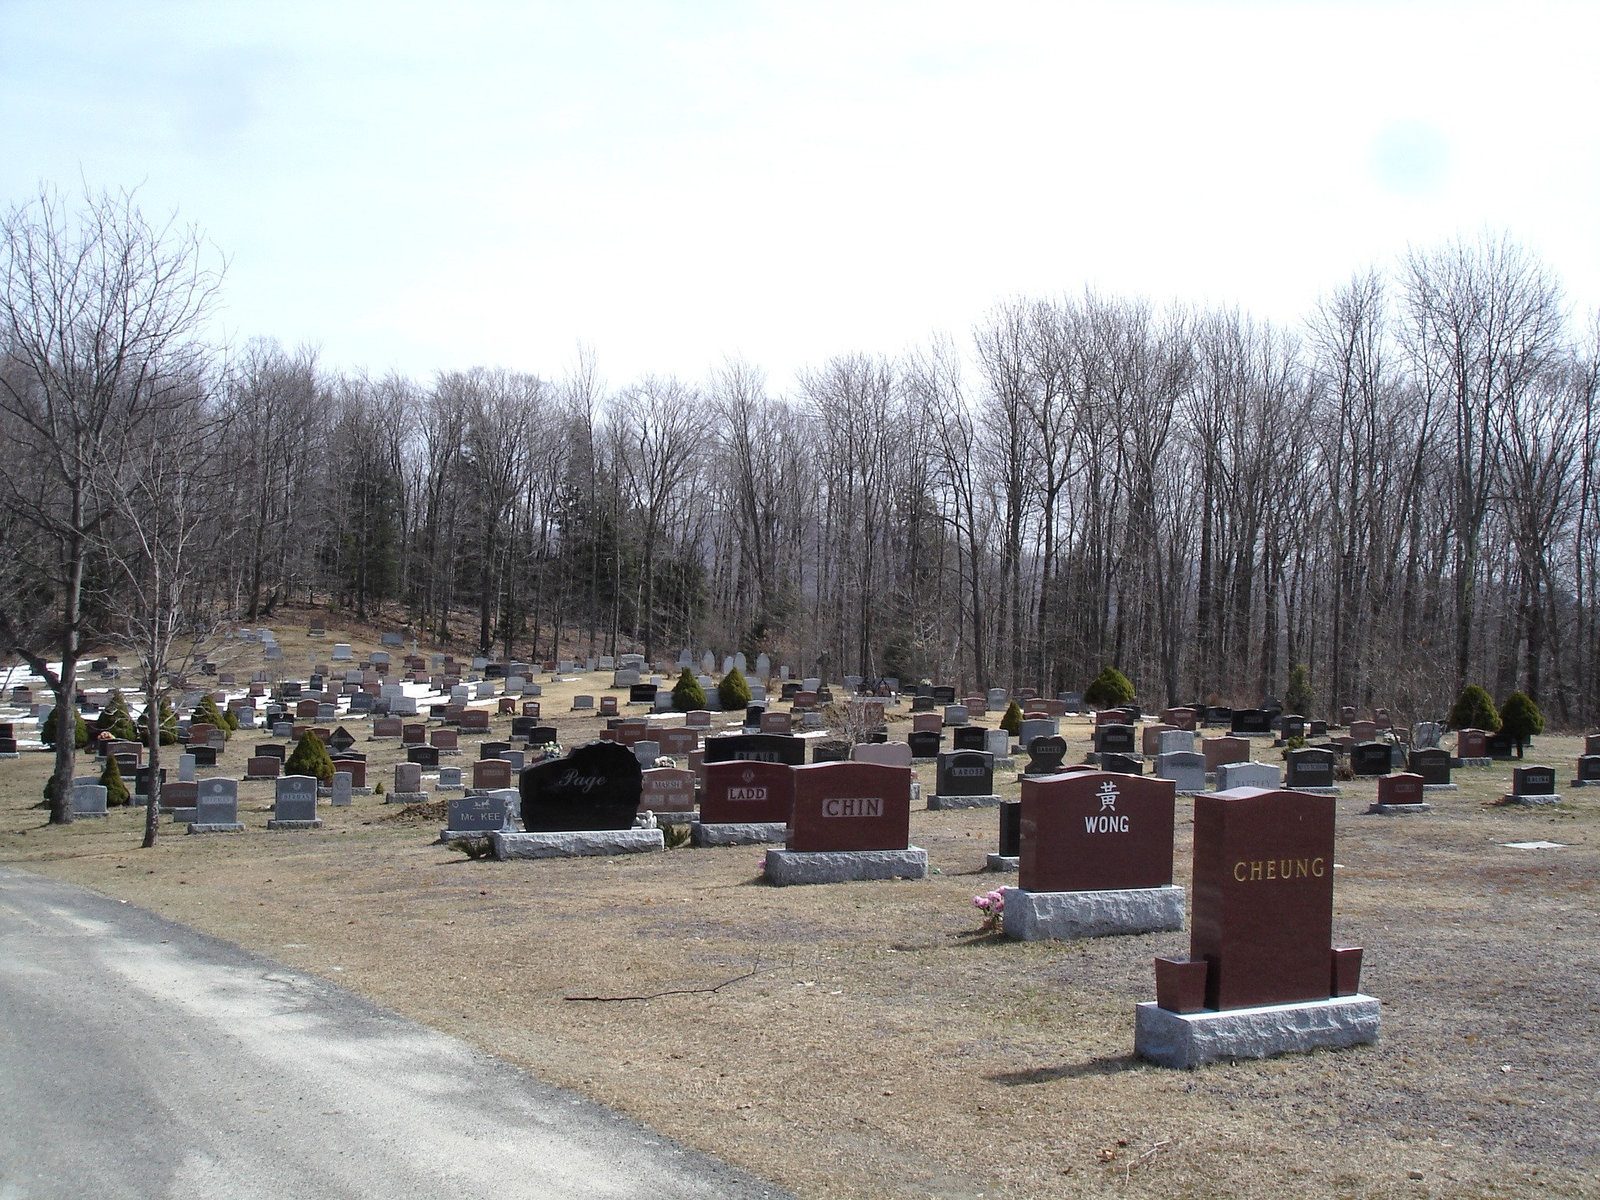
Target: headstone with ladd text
x: 747, y: 792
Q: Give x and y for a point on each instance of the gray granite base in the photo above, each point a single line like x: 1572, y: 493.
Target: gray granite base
x: 1441, y: 787
x: 1002, y: 862
x: 1067, y: 916
x: 405, y: 797
x: 923, y: 762
x: 450, y: 835
x: 1311, y: 791
x: 786, y: 867
x: 1586, y: 783
x: 1533, y: 801
x: 576, y: 843
x: 10, y: 756
x: 937, y: 802
x: 737, y: 833
x: 217, y: 827
x: 1397, y: 810
x: 1186, y: 1040
x: 313, y: 824
x: 259, y: 778
x: 1474, y: 762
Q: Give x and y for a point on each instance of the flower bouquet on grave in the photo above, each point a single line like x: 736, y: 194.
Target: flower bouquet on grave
x: 993, y: 907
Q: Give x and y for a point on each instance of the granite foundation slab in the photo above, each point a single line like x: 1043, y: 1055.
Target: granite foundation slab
x: 1190, y: 1040
x: 937, y: 802
x: 1068, y: 916
x: 1002, y: 862
x: 1311, y: 791
x: 1532, y: 801
x: 576, y: 843
x: 315, y: 823
x: 181, y: 816
x: 1441, y: 787
x: 1396, y: 810
x: 1586, y: 783
x: 787, y: 867
x: 217, y: 827
x: 1474, y: 762
x: 737, y: 833
x: 405, y: 797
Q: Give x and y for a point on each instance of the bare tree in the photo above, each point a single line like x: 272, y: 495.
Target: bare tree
x: 101, y: 317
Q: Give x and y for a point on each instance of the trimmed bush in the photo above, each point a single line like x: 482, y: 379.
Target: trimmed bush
x: 116, y: 790
x: 1297, y: 699
x: 208, y: 712
x: 116, y: 720
x: 1520, y: 717
x: 1474, y: 710
x: 1108, y: 689
x: 169, y: 725
x: 310, y: 757
x: 733, y: 692
x: 687, y: 694
x: 1012, y: 721
x: 80, y: 736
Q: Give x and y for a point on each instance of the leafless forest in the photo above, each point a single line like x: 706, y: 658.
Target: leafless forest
x: 1400, y: 492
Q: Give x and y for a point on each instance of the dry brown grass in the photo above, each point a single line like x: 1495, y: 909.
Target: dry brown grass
x: 883, y: 1046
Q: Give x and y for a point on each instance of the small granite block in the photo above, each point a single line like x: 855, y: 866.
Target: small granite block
x: 1397, y: 810
x: 1067, y: 916
x: 785, y: 867
x: 1311, y: 791
x: 576, y: 843
x: 1532, y: 801
x: 737, y: 833
x: 939, y: 802
x: 1474, y: 762
x: 1441, y: 787
x: 235, y: 827
x: 405, y: 797
x: 314, y: 824
x: 1001, y: 862
x: 182, y: 815
x: 1172, y: 1039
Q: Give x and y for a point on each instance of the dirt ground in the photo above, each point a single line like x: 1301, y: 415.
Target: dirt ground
x: 867, y: 1040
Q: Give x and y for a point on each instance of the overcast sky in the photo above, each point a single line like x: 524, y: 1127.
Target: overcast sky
x: 418, y: 187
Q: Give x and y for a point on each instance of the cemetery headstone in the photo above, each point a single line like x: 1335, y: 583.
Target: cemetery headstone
x: 1432, y: 764
x: 747, y: 793
x: 1185, y: 768
x: 596, y: 786
x: 1371, y: 759
x: 1046, y: 755
x: 1093, y: 831
x: 964, y: 773
x: 667, y: 790
x: 479, y: 814
x: 1310, y: 768
x: 216, y: 807
x: 756, y: 747
x: 851, y: 806
x: 491, y: 774
x: 295, y: 803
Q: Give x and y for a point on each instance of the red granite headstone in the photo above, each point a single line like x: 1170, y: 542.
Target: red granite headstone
x: 1150, y: 738
x: 678, y: 740
x: 926, y: 722
x: 1179, y: 718
x: 667, y: 789
x: 851, y: 806
x: 265, y: 766
x: 491, y: 774
x: 740, y: 791
x: 1363, y: 731
x: 777, y: 722
x: 1472, y: 743
x: 1262, y: 910
x: 445, y: 739
x: 1093, y: 831
x: 357, y: 769
x: 1400, y: 789
x: 474, y: 720
x: 1220, y: 751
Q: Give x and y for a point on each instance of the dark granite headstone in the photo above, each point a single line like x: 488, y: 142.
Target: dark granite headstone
x: 1046, y: 754
x: 423, y: 756
x: 295, y: 799
x: 756, y: 747
x: 1095, y: 831
x: 1432, y: 765
x: 204, y: 756
x: 642, y: 693
x: 492, y: 749
x: 1309, y: 768
x: 1589, y: 769
x: 851, y: 806
x: 1217, y: 715
x: 1291, y: 725
x: 965, y: 773
x: 1010, y: 829
x: 1501, y: 746
x: 1115, y: 739
x: 596, y: 786
x: 1533, y: 781
x: 1250, y: 720
x: 924, y: 743
x: 967, y: 737
x: 739, y: 792
x: 830, y: 750
x: 1261, y: 914
x: 1371, y: 758
x: 1122, y: 764
x: 272, y: 750
x: 341, y: 739
x: 943, y: 694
